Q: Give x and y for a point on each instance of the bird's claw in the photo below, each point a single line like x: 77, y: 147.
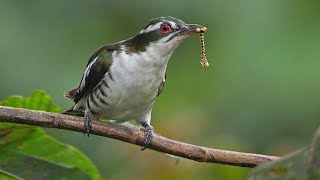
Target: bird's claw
x: 148, y: 137
x: 88, y: 118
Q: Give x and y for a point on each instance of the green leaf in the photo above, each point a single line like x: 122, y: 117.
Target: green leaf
x: 39, y: 100
x: 29, y: 153
x: 303, y: 164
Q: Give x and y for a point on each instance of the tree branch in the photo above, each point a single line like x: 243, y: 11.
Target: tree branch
x: 133, y: 136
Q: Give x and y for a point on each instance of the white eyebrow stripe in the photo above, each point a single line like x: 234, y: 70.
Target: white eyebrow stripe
x: 151, y: 28
x: 173, y: 24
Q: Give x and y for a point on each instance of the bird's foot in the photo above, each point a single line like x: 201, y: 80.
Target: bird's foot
x: 148, y: 129
x: 88, y: 118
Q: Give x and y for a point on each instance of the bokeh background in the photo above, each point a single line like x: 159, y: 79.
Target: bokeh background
x: 260, y: 94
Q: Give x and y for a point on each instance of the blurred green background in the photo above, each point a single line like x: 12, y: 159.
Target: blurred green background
x: 260, y: 93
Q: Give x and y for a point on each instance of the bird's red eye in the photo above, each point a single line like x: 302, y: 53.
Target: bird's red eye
x: 165, y: 28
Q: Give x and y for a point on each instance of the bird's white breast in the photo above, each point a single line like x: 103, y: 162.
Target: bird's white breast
x: 136, y: 78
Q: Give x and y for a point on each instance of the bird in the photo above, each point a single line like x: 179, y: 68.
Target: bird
x: 122, y: 80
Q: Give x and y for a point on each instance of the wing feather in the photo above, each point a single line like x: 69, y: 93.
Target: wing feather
x: 161, y: 86
x: 98, y: 64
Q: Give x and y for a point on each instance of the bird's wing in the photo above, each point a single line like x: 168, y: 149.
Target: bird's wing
x: 99, y: 63
x: 161, y: 86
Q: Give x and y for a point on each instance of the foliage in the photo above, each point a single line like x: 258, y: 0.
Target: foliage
x: 304, y: 164
x: 29, y: 153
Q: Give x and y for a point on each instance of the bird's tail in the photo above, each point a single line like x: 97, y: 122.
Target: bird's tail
x: 72, y: 112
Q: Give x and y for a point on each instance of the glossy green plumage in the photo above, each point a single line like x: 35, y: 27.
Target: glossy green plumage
x: 139, y: 42
x: 100, y: 63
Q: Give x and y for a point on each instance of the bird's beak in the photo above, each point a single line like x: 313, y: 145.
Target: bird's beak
x: 189, y: 29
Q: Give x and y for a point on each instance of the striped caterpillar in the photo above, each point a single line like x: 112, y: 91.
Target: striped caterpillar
x: 204, y: 62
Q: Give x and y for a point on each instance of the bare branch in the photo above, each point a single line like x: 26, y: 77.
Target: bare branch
x: 133, y: 136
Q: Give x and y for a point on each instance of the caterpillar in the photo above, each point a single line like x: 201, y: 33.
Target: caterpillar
x: 204, y: 62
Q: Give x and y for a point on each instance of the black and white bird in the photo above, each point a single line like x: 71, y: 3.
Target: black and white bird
x: 122, y: 80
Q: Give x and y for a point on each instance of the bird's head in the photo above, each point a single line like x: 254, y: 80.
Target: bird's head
x: 162, y: 34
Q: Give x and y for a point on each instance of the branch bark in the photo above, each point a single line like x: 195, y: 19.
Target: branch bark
x: 133, y: 136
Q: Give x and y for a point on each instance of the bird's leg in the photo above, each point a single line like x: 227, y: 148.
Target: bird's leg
x: 88, y: 118
x: 149, y: 134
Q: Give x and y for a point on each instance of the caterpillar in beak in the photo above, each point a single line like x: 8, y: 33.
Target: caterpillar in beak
x: 204, y: 62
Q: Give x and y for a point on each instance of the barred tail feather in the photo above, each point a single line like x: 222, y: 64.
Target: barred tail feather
x: 71, y: 93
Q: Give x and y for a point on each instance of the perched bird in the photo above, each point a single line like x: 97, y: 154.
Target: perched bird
x: 122, y: 80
